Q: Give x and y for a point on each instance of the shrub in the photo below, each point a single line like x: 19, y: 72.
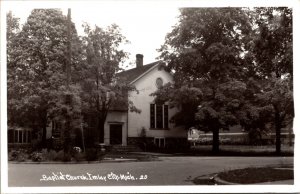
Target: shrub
x: 255, y: 137
x: 50, y: 155
x: 75, y: 150
x: 13, y: 155
x: 37, y: 156
x: 67, y: 157
x: 149, y: 146
x: 36, y: 145
x: 17, y: 155
x: 22, y: 157
x: 91, y: 154
x: 61, y: 156
x: 101, y: 155
x: 79, y: 156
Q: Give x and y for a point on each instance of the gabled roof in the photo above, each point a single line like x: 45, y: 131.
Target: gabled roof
x: 134, y: 74
x: 130, y: 76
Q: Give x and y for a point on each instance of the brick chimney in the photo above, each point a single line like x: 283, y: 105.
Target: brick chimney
x: 139, y: 60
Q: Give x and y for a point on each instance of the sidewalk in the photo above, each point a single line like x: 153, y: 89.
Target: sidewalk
x: 105, y: 160
x: 152, y: 153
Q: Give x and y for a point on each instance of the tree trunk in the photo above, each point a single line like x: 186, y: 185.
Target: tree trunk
x: 216, y: 141
x: 290, y: 137
x: 67, y: 137
x: 278, y: 131
x: 101, y: 129
x: 44, y: 135
x: 44, y: 129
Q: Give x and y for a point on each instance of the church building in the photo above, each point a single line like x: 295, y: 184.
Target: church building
x: 123, y: 127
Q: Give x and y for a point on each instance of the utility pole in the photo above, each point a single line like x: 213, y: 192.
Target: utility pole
x: 68, y: 65
x: 68, y: 97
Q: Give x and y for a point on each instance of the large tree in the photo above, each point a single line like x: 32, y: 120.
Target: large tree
x: 102, y: 91
x: 205, y: 53
x: 273, y: 56
x: 12, y: 32
x: 36, y: 68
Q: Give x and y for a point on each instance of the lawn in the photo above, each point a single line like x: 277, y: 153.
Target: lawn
x: 243, y: 150
x: 251, y: 175
x: 257, y: 175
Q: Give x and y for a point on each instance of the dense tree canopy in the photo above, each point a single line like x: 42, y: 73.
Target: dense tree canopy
x: 273, y: 49
x: 273, y: 52
x: 36, y: 68
x: 204, y: 50
x: 230, y: 65
x: 102, y: 90
x: 223, y: 60
x: 37, y: 77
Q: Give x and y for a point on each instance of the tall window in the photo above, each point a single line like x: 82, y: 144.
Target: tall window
x: 159, y: 116
x: 19, y: 136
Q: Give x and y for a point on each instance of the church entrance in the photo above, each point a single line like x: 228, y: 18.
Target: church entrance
x: 115, y: 134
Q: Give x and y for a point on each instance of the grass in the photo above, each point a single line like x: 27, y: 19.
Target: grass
x: 256, y: 175
x: 129, y: 155
x: 241, y: 150
x: 204, y: 182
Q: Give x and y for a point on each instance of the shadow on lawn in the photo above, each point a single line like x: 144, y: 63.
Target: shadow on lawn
x: 250, y: 175
x: 238, y: 150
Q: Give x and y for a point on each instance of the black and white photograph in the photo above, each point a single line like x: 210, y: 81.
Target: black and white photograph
x: 121, y: 94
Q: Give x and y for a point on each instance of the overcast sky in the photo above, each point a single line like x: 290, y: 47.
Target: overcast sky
x: 144, y: 24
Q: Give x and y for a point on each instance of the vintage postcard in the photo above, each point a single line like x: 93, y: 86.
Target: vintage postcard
x: 148, y: 96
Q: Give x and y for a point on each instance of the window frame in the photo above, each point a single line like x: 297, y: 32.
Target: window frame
x: 19, y: 136
x: 164, y: 117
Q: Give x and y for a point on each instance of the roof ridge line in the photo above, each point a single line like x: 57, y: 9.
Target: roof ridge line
x: 152, y: 63
x: 150, y: 69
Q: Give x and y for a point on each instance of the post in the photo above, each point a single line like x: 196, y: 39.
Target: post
x: 68, y: 97
x: 68, y: 65
x: 82, y: 135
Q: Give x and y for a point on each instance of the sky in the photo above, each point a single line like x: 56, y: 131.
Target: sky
x: 144, y: 24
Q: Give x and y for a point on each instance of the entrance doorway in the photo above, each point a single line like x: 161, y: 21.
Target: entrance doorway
x: 115, y: 134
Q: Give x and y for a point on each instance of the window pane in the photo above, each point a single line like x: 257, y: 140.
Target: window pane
x: 159, y: 116
x: 10, y: 136
x: 16, y: 136
x: 152, y: 116
x: 20, y: 136
x: 24, y: 136
x: 162, y: 143
x: 29, y: 136
x: 166, y: 116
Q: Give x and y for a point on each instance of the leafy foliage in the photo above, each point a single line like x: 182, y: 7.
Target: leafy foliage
x: 273, y: 44
x: 36, y: 68
x: 37, y: 90
x: 231, y: 66
x: 102, y: 91
x: 273, y: 53
x: 204, y: 50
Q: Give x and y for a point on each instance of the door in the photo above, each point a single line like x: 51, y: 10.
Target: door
x: 115, y: 134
